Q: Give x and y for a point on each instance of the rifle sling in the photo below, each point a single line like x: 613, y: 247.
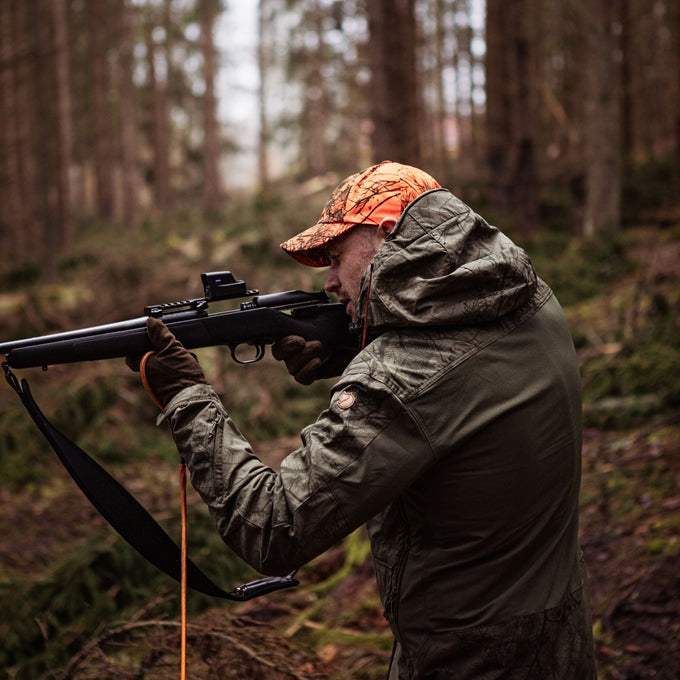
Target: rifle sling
x: 125, y: 514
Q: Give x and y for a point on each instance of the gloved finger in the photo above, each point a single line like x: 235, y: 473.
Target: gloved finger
x: 309, y: 373
x: 160, y: 335
x: 287, y: 347
x: 310, y: 353
x: 133, y: 363
x: 171, y: 355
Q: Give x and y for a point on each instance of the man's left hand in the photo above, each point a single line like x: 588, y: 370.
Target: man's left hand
x: 171, y: 368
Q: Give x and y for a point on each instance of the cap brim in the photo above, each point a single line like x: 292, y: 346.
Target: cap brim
x: 309, y: 246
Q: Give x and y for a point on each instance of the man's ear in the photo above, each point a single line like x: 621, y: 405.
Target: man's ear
x: 386, y: 225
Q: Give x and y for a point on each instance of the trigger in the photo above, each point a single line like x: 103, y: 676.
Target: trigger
x: 259, y: 353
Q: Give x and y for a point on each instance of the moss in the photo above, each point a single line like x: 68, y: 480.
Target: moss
x: 578, y: 269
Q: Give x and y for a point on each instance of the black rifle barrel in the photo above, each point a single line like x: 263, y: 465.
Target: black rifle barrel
x: 256, y: 326
x: 116, y: 326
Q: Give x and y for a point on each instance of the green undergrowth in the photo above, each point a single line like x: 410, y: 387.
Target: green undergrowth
x: 579, y: 269
x: 625, y: 319
x: 102, y: 580
x: 627, y: 389
x: 89, y: 410
x: 628, y: 340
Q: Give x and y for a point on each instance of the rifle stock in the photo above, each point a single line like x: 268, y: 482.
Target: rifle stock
x: 258, y: 322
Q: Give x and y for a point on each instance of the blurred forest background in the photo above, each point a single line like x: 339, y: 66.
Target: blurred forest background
x: 128, y: 167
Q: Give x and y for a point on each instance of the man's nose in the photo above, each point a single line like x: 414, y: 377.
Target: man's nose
x: 332, y: 281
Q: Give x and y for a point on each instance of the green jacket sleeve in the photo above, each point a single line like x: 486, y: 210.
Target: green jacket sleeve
x: 354, y: 460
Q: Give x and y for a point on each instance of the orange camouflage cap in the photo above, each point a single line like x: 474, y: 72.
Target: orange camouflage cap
x: 368, y: 197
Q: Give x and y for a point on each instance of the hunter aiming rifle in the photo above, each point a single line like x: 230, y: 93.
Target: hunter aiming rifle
x: 258, y: 322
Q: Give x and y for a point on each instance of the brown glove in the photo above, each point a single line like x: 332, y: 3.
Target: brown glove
x: 304, y: 359
x: 170, y: 369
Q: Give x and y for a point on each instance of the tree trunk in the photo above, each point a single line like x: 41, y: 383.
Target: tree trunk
x: 627, y: 103
x: 128, y: 119
x: 602, y: 137
x: 159, y: 123
x: 12, y: 218
x: 526, y: 215
x: 64, y: 130
x: 262, y: 67
x: 316, y: 105
x: 28, y: 234
x: 395, y: 100
x: 440, y: 114
x: 676, y: 41
x: 42, y: 139
x: 498, y: 104
x: 212, y: 190
x: 102, y: 121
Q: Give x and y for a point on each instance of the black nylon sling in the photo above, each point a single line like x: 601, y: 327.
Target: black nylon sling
x: 127, y: 516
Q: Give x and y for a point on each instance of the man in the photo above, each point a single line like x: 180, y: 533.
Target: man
x: 454, y: 434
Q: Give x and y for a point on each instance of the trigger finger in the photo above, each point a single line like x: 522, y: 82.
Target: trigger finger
x: 286, y: 347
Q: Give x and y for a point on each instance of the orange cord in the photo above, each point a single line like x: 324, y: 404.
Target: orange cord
x: 183, y: 587
x: 368, y: 295
x: 183, y: 543
x: 145, y: 381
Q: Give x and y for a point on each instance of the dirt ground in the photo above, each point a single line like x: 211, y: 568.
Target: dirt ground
x: 630, y: 538
x: 631, y: 541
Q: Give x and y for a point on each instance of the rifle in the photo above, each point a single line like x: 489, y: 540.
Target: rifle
x: 258, y: 322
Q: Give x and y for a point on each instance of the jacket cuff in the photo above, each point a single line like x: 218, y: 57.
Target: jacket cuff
x: 198, y: 392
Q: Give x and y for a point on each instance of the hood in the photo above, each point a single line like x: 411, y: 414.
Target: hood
x: 444, y: 265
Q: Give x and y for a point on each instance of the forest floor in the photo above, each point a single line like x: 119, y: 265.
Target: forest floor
x: 332, y: 627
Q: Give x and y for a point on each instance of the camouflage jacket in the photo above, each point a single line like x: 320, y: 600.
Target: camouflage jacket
x: 455, y: 436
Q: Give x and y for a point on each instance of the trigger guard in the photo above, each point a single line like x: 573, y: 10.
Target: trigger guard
x: 259, y: 353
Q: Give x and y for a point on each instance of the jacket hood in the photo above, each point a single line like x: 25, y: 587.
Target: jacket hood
x: 444, y: 265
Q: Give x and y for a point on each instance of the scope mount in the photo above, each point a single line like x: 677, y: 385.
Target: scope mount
x: 216, y: 286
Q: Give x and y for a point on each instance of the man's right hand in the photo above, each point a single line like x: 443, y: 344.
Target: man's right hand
x: 302, y: 357
x: 305, y: 359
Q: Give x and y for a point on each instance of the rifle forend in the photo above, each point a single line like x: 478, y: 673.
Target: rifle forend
x: 258, y: 322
